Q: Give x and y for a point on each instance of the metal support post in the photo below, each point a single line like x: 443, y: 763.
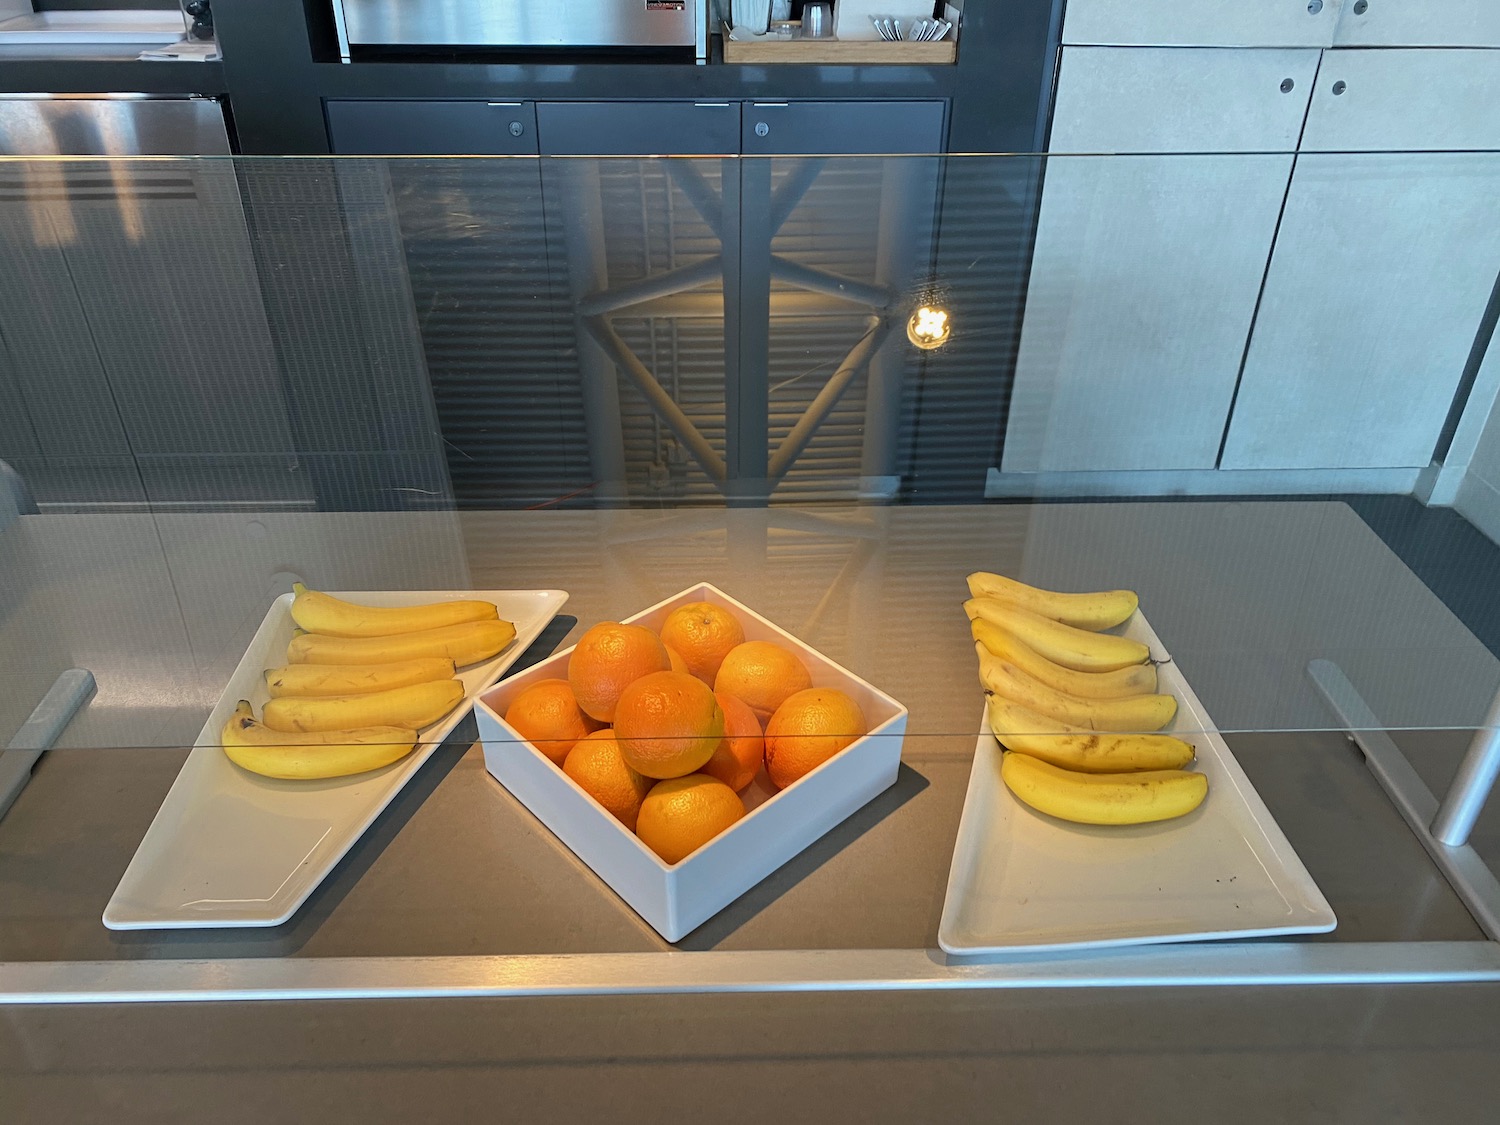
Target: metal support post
x: 1472, y: 785
x: 747, y: 327
x: 1468, y: 874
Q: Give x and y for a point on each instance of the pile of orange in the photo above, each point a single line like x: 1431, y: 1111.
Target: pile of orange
x: 665, y: 729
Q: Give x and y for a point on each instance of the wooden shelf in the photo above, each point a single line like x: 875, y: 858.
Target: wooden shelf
x: 847, y: 51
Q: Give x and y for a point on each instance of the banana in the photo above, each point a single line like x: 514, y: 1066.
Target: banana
x: 1103, y: 798
x: 462, y: 644
x: 415, y: 706
x: 1077, y: 649
x: 1134, y: 713
x: 333, y: 617
x: 1076, y: 748
x: 1102, y: 609
x: 355, y: 679
x: 255, y: 747
x: 1138, y: 679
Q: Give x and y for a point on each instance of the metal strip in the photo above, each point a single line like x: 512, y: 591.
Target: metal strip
x: 1174, y: 966
x: 700, y: 193
x: 817, y: 412
x: 1469, y: 875
x: 790, y: 191
x: 680, y: 280
x: 747, y: 308
x: 661, y: 402
x: 831, y: 284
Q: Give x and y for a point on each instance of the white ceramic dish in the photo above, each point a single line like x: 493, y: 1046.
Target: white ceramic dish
x: 232, y: 848
x: 1024, y: 881
x: 675, y: 899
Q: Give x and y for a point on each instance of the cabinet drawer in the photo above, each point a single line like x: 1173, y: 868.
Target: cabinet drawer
x: 853, y: 128
x: 1405, y: 100
x: 1113, y: 99
x: 431, y: 128
x: 1196, y: 23
x: 1419, y: 23
x: 639, y: 128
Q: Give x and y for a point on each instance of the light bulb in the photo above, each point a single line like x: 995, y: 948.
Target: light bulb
x: 929, y: 328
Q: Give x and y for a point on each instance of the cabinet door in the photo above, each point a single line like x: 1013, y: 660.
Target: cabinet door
x: 1383, y: 267
x: 1194, y: 23
x: 813, y: 128
x: 1419, y: 23
x: 639, y: 128
x: 1147, y: 266
x: 431, y: 128
x: 1398, y: 101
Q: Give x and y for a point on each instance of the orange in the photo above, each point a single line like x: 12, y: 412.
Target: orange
x: 549, y: 718
x: 737, y: 759
x: 704, y: 633
x: 678, y: 663
x: 668, y: 724
x: 607, y: 658
x: 682, y: 814
x: 763, y: 674
x: 596, y: 765
x: 808, y: 729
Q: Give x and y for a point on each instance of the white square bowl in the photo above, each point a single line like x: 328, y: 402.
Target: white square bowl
x: 677, y: 898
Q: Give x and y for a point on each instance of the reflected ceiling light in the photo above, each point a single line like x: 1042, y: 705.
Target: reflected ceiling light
x: 929, y: 327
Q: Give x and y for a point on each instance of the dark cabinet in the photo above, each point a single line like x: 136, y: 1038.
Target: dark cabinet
x: 432, y: 128
x: 831, y: 128
x: 639, y: 128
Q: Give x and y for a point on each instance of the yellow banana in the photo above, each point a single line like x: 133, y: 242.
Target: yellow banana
x: 355, y: 679
x: 1103, y: 798
x: 333, y: 617
x: 257, y: 748
x: 416, y: 706
x: 1138, y: 679
x: 1102, y: 609
x: 1133, y: 713
x: 462, y: 644
x: 1077, y: 649
x: 1076, y: 748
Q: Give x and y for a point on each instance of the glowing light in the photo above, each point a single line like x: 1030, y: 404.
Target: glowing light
x: 929, y: 328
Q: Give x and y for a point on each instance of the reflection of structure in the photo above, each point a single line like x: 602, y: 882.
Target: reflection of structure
x: 745, y: 217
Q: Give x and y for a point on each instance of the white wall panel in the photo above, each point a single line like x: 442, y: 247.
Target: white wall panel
x: 1203, y: 23
x: 1147, y: 267
x: 1382, y: 270
x: 1419, y: 23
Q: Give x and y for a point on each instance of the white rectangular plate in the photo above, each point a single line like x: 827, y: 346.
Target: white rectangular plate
x: 232, y: 848
x: 1024, y: 881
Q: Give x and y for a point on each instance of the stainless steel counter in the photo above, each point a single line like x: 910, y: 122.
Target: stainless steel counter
x: 159, y: 608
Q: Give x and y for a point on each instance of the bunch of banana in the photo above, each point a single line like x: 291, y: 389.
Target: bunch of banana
x: 1078, y: 649
x: 1101, y: 610
x: 1073, y: 707
x: 255, y: 747
x: 340, y: 632
x: 359, y: 682
x: 323, y: 613
x: 1103, y: 798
